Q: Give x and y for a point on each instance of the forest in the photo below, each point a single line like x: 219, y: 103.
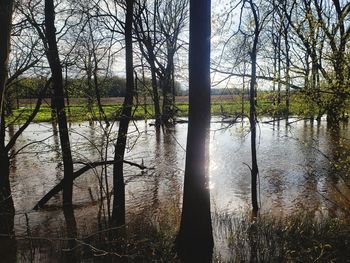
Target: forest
x: 174, y: 131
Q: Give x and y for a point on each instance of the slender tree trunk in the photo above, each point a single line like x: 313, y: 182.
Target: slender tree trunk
x: 118, y: 213
x: 243, y: 89
x: 57, y: 84
x: 144, y: 89
x: 168, y: 106
x: 252, y: 113
x: 66, y: 90
x: 173, y: 89
x: 97, y: 93
x: 195, y: 240
x: 95, y: 71
x: 53, y: 107
x: 90, y: 93
x: 157, y: 112
x: 279, y: 67
x: 286, y: 42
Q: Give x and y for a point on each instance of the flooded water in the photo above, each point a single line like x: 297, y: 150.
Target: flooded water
x: 296, y: 171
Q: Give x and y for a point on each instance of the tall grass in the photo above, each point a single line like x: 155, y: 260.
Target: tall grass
x: 301, y: 238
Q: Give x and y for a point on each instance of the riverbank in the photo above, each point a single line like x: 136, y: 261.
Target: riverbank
x: 300, y: 238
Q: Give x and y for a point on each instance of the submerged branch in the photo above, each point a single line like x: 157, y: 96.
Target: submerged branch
x: 87, y: 166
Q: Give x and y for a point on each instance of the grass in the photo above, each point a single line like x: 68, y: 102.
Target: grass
x: 80, y: 112
x: 138, y: 241
x: 300, y: 238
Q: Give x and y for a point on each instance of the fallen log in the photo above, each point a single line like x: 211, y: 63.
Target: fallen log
x: 58, y: 187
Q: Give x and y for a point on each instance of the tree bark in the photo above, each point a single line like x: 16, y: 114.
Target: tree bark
x: 252, y: 112
x: 118, y: 213
x: 7, y: 210
x: 195, y: 240
x: 6, y: 9
x: 57, y: 85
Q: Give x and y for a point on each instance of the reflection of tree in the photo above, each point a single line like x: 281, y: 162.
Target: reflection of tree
x: 170, y: 153
x: 337, y: 182
x: 72, y: 232
x: 8, y: 244
x: 166, y: 186
x: 309, y: 189
x: 13, y: 150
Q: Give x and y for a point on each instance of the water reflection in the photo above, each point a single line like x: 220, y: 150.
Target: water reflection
x: 8, y: 243
x: 296, y: 164
x: 71, y: 254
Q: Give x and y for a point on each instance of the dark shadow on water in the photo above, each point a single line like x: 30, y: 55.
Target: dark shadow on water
x: 71, y: 252
x: 8, y: 243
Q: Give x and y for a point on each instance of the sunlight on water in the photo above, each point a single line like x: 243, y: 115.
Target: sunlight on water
x: 294, y: 175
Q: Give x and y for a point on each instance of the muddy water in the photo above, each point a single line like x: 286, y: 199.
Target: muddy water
x: 296, y: 173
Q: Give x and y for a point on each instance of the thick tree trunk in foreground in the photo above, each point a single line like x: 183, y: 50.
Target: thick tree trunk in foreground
x: 118, y: 213
x: 195, y: 240
x: 6, y: 9
x: 7, y: 210
x: 57, y: 85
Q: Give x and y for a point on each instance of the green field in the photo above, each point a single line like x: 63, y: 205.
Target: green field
x: 225, y: 106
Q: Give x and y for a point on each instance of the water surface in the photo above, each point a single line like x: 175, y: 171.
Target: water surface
x: 296, y: 172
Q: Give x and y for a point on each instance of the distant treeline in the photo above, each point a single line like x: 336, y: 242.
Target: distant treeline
x: 26, y: 88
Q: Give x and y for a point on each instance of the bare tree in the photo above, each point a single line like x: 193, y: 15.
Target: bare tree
x: 57, y: 85
x: 118, y: 213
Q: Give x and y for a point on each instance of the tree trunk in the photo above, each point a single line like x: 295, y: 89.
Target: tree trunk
x: 118, y: 213
x: 279, y: 67
x: 6, y: 9
x: 195, y: 240
x: 7, y: 211
x: 66, y: 90
x: 57, y: 85
x: 95, y: 74
x: 97, y: 93
x: 157, y: 112
x: 168, y: 106
x: 252, y: 113
x: 287, y: 47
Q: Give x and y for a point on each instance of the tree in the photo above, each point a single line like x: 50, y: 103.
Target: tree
x: 158, y: 27
x: 171, y: 16
x: 91, y: 48
x: 195, y: 241
x: 323, y: 30
x: 6, y: 202
x: 252, y: 110
x: 145, y: 30
x: 118, y: 213
x: 7, y: 210
x: 57, y: 86
x: 6, y: 9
